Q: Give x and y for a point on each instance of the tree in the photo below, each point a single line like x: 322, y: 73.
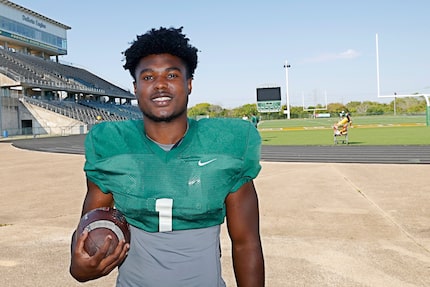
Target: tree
x: 352, y: 107
x: 336, y: 108
x: 248, y: 110
x: 408, y: 105
x: 199, y: 110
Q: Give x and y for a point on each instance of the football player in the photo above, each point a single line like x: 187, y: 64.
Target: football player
x: 174, y: 178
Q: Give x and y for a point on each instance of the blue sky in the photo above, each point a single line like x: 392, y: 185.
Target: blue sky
x: 243, y: 45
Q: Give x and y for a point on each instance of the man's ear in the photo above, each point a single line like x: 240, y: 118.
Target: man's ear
x: 134, y: 85
x: 190, y: 85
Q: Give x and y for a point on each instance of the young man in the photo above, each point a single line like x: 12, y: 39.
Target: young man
x: 174, y: 178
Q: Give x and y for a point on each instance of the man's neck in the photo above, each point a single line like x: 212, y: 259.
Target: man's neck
x: 166, y: 132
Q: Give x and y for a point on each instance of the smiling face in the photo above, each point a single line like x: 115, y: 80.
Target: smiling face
x: 162, y: 87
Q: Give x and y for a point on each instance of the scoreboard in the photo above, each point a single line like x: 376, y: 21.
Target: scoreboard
x: 269, y: 100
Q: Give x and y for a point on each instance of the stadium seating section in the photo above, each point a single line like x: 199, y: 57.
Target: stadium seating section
x: 32, y: 71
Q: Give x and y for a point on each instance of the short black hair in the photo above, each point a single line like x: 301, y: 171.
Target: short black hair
x: 161, y: 41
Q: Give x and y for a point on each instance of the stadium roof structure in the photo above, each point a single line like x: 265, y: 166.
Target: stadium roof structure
x: 41, y: 95
x: 26, y: 63
x: 27, y: 71
x: 23, y: 9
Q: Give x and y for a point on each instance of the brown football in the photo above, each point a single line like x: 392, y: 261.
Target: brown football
x: 101, y: 222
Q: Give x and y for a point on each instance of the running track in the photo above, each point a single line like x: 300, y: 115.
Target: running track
x: 333, y: 154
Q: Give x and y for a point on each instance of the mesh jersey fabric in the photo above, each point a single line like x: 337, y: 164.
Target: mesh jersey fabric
x: 186, y: 185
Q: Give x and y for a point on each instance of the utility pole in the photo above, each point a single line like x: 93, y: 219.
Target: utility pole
x: 286, y: 66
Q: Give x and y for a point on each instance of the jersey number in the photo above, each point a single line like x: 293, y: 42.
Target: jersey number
x: 164, y: 208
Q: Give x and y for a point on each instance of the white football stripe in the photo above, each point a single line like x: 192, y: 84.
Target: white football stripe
x: 106, y: 224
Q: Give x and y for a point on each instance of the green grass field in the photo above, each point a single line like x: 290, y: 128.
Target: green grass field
x: 371, y: 130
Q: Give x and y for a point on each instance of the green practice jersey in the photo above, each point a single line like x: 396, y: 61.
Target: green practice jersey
x: 184, y: 188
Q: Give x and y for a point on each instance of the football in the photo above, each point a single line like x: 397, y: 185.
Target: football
x: 101, y: 222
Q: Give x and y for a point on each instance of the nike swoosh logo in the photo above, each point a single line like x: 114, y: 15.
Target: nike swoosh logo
x: 200, y: 163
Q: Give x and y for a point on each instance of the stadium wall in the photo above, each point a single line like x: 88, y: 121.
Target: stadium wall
x: 46, y: 122
x: 19, y: 118
x: 9, y: 114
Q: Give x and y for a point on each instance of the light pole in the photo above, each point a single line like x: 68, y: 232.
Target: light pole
x: 286, y: 66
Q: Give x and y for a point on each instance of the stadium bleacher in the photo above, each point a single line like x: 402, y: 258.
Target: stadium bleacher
x: 77, y: 111
x: 35, y: 72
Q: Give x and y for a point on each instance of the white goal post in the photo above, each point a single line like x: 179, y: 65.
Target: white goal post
x: 426, y: 96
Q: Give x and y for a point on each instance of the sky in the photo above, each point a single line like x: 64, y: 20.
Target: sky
x: 243, y: 45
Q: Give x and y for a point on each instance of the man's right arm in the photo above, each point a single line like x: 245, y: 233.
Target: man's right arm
x: 84, y: 267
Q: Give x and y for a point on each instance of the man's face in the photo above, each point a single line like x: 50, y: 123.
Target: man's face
x: 162, y: 87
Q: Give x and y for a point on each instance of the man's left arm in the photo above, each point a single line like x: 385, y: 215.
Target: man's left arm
x: 244, y: 229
